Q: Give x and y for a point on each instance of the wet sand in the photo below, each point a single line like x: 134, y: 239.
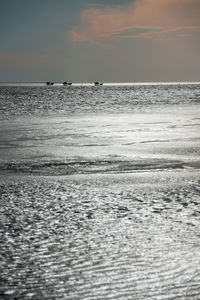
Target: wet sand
x: 100, y: 192
x: 101, y: 236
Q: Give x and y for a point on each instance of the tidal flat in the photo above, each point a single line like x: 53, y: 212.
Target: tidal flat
x: 101, y: 236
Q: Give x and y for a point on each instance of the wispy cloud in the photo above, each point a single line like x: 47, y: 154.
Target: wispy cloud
x: 154, y: 19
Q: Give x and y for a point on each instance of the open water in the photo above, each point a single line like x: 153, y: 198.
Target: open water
x: 100, y: 192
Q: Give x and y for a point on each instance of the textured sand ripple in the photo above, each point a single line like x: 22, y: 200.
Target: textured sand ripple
x: 127, y: 237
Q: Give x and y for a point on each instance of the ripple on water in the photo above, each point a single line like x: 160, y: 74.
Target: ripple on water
x: 94, y: 238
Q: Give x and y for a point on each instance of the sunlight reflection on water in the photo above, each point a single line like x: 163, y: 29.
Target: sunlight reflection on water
x: 99, y: 191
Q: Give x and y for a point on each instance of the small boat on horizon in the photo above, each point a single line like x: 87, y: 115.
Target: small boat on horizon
x: 98, y: 83
x: 65, y: 83
x: 49, y: 83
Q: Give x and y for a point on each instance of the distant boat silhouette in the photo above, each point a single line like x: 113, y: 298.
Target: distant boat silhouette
x: 49, y: 83
x: 98, y: 83
x: 67, y: 83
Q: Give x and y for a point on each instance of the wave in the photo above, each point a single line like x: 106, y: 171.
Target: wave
x: 49, y: 168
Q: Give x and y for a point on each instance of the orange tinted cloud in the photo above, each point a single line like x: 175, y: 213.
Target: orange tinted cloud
x: 141, y: 19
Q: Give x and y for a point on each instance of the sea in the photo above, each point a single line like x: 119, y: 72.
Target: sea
x: 100, y: 191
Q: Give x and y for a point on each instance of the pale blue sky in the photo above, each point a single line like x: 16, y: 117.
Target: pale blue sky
x: 110, y: 41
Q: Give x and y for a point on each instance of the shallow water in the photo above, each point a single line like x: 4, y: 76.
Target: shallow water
x: 100, y: 192
x: 128, y: 236
x: 91, y: 143
x: 45, y: 101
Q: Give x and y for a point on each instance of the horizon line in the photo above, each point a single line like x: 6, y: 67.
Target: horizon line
x: 129, y: 83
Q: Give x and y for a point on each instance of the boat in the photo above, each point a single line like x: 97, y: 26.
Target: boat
x: 49, y: 83
x: 98, y: 83
x: 65, y: 83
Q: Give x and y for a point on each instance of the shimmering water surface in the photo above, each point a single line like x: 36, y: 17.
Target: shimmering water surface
x: 100, y: 192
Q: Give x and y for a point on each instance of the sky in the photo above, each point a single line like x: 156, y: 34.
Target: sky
x: 99, y: 40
